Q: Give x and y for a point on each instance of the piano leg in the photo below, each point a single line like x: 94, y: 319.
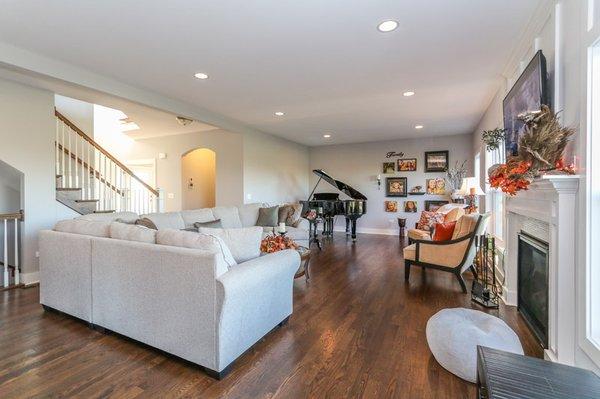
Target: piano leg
x: 353, y: 230
x: 347, y: 226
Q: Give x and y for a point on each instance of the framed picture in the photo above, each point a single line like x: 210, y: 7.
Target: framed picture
x: 434, y: 205
x: 396, y: 187
x: 407, y: 165
x: 391, y: 206
x: 436, y: 161
x: 436, y: 186
x: 388, y: 168
x: 410, y: 206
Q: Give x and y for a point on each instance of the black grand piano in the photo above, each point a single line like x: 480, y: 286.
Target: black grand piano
x: 328, y: 205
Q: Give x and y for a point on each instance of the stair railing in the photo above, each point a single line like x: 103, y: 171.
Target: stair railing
x: 82, y: 164
x: 7, y: 219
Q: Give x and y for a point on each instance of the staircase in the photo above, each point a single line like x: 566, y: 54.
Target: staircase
x: 91, y: 180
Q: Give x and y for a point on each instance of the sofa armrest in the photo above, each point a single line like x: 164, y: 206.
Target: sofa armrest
x: 303, y: 224
x: 443, y: 253
x: 253, y: 297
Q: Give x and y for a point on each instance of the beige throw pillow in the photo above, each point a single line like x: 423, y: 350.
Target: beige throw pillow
x: 188, y: 239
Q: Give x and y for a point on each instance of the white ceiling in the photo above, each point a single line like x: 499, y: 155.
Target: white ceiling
x: 321, y: 62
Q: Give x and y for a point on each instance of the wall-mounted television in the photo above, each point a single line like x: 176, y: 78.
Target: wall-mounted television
x: 528, y: 94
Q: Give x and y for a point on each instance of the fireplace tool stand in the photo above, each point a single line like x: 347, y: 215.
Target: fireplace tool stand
x: 485, y: 290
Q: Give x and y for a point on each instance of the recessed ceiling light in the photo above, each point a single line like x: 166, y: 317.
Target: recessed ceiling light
x: 327, y: 136
x: 418, y: 126
x: 201, y: 75
x: 279, y: 113
x: 408, y: 93
x: 387, y: 26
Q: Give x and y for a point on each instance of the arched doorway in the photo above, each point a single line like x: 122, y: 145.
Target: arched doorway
x: 198, y: 172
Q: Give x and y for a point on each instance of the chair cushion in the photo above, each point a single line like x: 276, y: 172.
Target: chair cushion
x: 229, y: 215
x: 168, y: 220
x: 249, y: 214
x: 454, y: 214
x: 453, y: 336
x: 443, y: 231
x: 244, y: 242
x: 96, y: 228
x: 268, y: 216
x: 187, y: 239
x: 409, y: 252
x: 132, y: 232
x: 465, y: 225
x: 192, y: 216
x: 416, y: 234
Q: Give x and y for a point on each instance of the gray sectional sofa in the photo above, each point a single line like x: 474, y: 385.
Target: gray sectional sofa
x: 180, y: 300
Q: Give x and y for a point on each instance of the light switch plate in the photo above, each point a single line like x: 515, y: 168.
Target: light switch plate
x: 170, y: 195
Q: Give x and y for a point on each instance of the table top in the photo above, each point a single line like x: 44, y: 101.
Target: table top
x: 507, y: 375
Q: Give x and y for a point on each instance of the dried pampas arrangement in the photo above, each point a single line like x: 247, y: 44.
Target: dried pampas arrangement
x: 541, y: 149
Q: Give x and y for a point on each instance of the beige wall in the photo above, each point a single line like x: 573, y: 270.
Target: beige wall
x: 359, y: 164
x: 198, y: 172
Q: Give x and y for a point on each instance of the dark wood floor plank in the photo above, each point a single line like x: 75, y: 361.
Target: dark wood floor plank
x: 358, y: 330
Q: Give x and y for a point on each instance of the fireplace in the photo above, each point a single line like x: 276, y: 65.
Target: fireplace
x: 532, y: 297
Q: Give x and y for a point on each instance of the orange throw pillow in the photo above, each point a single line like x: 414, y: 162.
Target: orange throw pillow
x: 443, y: 231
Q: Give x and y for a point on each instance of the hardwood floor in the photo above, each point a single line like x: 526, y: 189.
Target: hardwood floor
x: 358, y: 330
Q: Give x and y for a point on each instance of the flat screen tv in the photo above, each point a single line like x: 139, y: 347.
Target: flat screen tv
x: 528, y: 94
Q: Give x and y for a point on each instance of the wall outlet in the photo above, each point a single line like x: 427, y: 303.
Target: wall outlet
x: 170, y: 196
x: 37, y: 254
x: 162, y: 155
x: 248, y: 196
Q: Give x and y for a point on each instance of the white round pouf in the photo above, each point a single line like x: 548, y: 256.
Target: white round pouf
x: 453, y: 336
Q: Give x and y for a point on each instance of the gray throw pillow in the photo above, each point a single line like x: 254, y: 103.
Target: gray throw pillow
x: 146, y: 223
x: 268, y: 217
x: 213, y: 224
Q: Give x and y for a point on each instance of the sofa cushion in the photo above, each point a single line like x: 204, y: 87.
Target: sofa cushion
x: 132, y: 232
x: 465, y: 225
x: 192, y: 216
x: 244, y: 243
x: 168, y: 220
x: 249, y: 214
x: 96, y: 228
x: 128, y: 217
x: 229, y: 215
x: 268, y: 216
x: 187, y: 239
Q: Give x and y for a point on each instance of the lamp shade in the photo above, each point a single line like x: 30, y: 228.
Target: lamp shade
x: 470, y: 186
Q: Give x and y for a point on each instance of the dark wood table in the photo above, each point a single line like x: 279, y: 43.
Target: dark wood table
x: 509, y: 376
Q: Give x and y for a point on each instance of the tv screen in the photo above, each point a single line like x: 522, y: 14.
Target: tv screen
x: 527, y: 95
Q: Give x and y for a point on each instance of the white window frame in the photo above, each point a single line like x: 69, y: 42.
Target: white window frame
x: 589, y: 280
x: 494, y: 198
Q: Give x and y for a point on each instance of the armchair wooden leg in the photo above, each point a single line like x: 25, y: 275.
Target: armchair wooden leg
x: 406, y: 270
x: 461, y: 280
x: 474, y: 271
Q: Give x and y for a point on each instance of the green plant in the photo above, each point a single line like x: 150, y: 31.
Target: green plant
x: 493, y: 138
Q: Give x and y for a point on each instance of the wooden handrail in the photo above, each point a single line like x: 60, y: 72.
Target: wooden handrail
x: 103, y: 151
x: 9, y: 216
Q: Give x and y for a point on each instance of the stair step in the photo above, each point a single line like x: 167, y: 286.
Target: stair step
x: 67, y: 189
x: 88, y: 200
x: 107, y: 211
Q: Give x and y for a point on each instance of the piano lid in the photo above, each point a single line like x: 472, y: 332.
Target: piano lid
x: 343, y: 187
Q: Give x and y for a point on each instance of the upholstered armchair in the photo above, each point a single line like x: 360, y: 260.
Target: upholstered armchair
x: 451, y: 213
x: 455, y: 255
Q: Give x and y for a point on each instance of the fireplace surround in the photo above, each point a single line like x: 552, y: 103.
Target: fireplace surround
x: 547, y: 212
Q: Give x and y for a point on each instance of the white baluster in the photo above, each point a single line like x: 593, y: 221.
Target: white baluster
x: 17, y: 272
x: 5, y: 260
x: 57, y: 160
x: 76, y: 159
x: 89, y: 172
x: 62, y: 155
x: 70, y: 161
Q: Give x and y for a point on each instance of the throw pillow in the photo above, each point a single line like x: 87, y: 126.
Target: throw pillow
x: 244, y: 243
x: 295, y: 217
x: 187, y: 239
x: 213, y: 224
x: 443, y: 231
x: 428, y: 219
x: 146, y: 223
x: 268, y: 217
x: 131, y: 232
x: 285, y: 211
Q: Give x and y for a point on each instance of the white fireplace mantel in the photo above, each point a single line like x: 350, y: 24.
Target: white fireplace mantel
x: 551, y: 204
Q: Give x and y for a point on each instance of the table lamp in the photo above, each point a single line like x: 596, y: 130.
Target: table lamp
x: 470, y: 189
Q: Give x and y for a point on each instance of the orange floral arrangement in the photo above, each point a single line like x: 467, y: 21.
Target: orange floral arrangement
x: 274, y: 243
x: 541, y: 149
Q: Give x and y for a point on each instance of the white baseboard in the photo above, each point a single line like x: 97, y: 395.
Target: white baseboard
x: 366, y: 230
x: 30, y: 278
